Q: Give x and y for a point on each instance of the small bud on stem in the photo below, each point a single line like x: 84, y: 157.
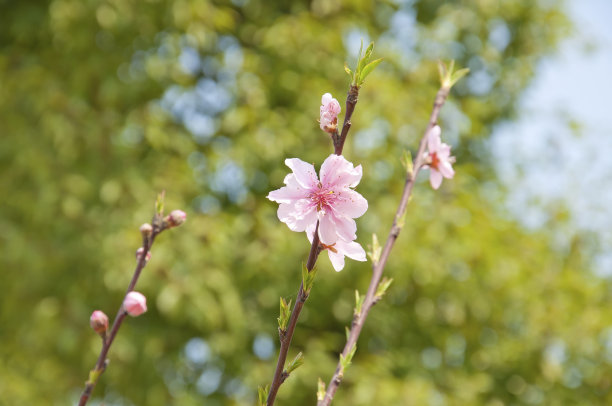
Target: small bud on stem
x: 175, y: 218
x: 99, y: 322
x: 135, y: 303
x: 146, y: 230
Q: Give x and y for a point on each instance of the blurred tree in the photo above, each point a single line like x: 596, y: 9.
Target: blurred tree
x: 105, y: 103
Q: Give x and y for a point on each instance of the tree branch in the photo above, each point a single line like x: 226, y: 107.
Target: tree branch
x: 379, y: 266
x: 159, y: 224
x: 315, y: 249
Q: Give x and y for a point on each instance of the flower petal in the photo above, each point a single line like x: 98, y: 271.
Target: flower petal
x: 304, y: 172
x: 351, y: 249
x: 446, y: 169
x: 298, y: 216
x: 433, y: 139
x: 327, y: 229
x: 435, y: 178
x: 326, y: 99
x: 337, y: 260
x: 346, y: 228
x: 350, y: 203
x: 337, y: 172
x: 293, y: 191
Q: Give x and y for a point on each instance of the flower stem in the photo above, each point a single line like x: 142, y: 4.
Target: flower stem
x: 378, y: 267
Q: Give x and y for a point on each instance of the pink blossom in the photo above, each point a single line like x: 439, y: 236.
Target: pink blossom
x: 135, y: 303
x: 438, y: 158
x: 339, y: 250
x: 331, y: 201
x: 330, y: 108
x: 98, y: 321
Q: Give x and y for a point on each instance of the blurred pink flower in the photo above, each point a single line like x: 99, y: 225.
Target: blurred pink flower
x: 339, y: 250
x: 438, y: 158
x: 135, y: 303
x: 98, y: 321
x: 331, y: 201
x: 330, y: 108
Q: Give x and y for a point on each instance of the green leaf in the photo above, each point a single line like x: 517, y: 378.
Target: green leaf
x: 375, y: 250
x: 348, y: 70
x: 320, y: 390
x: 285, y: 313
x: 458, y: 75
x: 262, y: 394
x: 382, y: 287
x: 407, y: 162
x: 368, y: 69
x: 358, y: 303
x: 346, y: 361
x: 297, y: 362
x: 159, y: 203
x: 308, y: 278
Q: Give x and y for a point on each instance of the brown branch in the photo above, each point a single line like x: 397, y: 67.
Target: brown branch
x: 351, y: 101
x: 286, y: 336
x: 379, y: 266
x: 147, y: 241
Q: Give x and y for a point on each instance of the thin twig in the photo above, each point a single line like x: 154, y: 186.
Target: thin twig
x: 285, y: 337
x: 378, y: 267
x: 107, y: 340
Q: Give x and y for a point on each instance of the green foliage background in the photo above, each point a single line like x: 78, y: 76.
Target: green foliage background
x: 481, y: 312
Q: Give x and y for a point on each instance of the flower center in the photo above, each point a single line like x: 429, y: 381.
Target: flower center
x: 435, y: 161
x: 322, y: 197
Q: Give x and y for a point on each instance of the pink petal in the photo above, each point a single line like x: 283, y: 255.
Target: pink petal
x: 446, y: 169
x: 346, y: 227
x: 337, y: 260
x: 334, y: 107
x: 293, y: 191
x: 433, y: 139
x: 435, y: 178
x: 350, y: 203
x: 326, y: 99
x: 304, y: 172
x: 336, y: 171
x: 327, y: 229
x: 351, y: 249
x: 298, y: 216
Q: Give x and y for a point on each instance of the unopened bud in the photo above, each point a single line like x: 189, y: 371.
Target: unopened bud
x: 135, y: 303
x: 175, y: 218
x: 99, y: 322
x: 139, y: 252
x: 146, y: 229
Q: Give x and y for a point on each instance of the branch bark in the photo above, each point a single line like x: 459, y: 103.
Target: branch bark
x: 371, y: 299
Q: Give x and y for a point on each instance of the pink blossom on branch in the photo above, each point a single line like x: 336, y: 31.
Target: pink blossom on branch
x: 331, y: 201
x: 135, y: 303
x: 438, y: 158
x: 330, y: 108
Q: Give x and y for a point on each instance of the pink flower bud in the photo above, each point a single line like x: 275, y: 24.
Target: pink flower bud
x: 139, y: 252
x: 175, y: 218
x: 99, y: 321
x: 329, y: 110
x: 146, y: 229
x: 135, y: 303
